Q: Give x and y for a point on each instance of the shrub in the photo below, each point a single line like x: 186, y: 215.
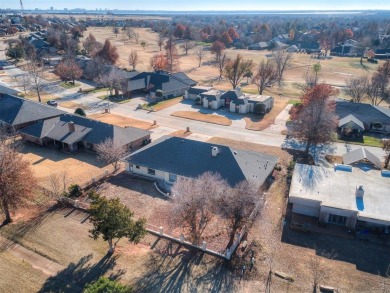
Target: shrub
x: 159, y: 93
x: 291, y: 166
x: 74, y: 190
x: 80, y: 112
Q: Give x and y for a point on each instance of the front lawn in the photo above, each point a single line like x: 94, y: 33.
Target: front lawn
x: 152, y: 106
x: 208, y: 118
x: 115, y: 99
x: 69, y: 85
x: 367, y: 140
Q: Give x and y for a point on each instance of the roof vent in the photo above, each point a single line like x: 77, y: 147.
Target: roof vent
x: 71, y: 126
x: 214, y: 151
x: 235, y: 152
x: 359, y: 191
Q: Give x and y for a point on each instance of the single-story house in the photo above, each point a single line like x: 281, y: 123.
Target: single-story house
x: 229, y: 96
x: 292, y: 49
x: 259, y: 46
x: 71, y: 132
x: 171, y: 84
x: 193, y: 92
x: 382, y: 54
x: 309, y: 47
x: 258, y: 104
x: 374, y: 118
x: 211, y: 99
x: 351, y: 122
x: 362, y: 155
x: 344, y: 50
x: 343, y: 195
x: 170, y: 158
x: 20, y: 113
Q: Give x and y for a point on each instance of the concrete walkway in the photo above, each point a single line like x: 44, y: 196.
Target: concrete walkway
x: 36, y: 260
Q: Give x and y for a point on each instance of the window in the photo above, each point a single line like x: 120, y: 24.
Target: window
x: 151, y: 171
x: 172, y: 177
x: 136, y: 166
x: 338, y: 220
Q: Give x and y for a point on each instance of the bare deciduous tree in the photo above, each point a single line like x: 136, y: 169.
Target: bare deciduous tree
x: 236, y: 69
x: 223, y: 60
x: 111, y: 152
x: 200, y: 53
x: 319, y: 271
x: 112, y: 80
x: 193, y: 202
x: 35, y: 75
x: 160, y: 40
x: 130, y: 32
x: 17, y: 182
x: 136, y: 37
x: 237, y: 205
x: 23, y: 81
x: 282, y: 61
x: 187, y: 45
x: 115, y: 30
x: 356, y: 88
x: 133, y: 59
x: 55, y: 184
x: 266, y: 75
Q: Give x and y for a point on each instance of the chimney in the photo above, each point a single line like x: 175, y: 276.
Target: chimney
x: 214, y: 151
x: 359, y: 191
x: 71, y: 126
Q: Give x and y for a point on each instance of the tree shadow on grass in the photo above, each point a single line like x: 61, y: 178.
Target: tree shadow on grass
x: 15, y: 232
x: 177, y: 269
x: 76, y: 275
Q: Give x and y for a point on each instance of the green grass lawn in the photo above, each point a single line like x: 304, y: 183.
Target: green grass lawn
x: 293, y: 101
x: 367, y: 140
x: 69, y: 85
x: 115, y: 99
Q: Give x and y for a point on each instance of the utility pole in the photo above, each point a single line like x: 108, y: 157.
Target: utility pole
x: 21, y: 8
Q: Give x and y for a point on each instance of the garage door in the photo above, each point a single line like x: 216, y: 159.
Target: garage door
x: 306, y: 210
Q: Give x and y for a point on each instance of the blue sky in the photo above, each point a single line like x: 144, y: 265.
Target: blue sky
x: 204, y: 4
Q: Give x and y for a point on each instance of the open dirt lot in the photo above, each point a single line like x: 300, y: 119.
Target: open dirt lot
x: 80, y: 167
x: 122, y: 121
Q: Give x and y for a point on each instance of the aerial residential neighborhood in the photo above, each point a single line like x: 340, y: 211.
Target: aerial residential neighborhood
x: 194, y: 146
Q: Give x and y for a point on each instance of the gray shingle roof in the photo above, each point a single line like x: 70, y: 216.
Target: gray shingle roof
x: 361, y: 154
x: 88, y: 130
x: 351, y: 118
x: 364, y: 112
x: 232, y: 95
x: 190, y: 158
x: 15, y: 111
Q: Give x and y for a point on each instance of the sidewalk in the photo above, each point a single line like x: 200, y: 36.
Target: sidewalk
x: 36, y: 260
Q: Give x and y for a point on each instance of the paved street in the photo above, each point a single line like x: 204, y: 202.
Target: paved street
x: 201, y: 131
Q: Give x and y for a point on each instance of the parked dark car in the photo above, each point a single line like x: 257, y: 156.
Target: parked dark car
x: 52, y: 103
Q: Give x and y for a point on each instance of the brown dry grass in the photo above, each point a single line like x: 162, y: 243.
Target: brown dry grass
x: 254, y: 122
x: 181, y: 133
x: 209, y: 118
x: 334, y: 159
x: 167, y: 103
x: 44, y: 96
x: 122, y: 121
x: 80, y: 167
x: 19, y: 276
x: 71, y: 105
